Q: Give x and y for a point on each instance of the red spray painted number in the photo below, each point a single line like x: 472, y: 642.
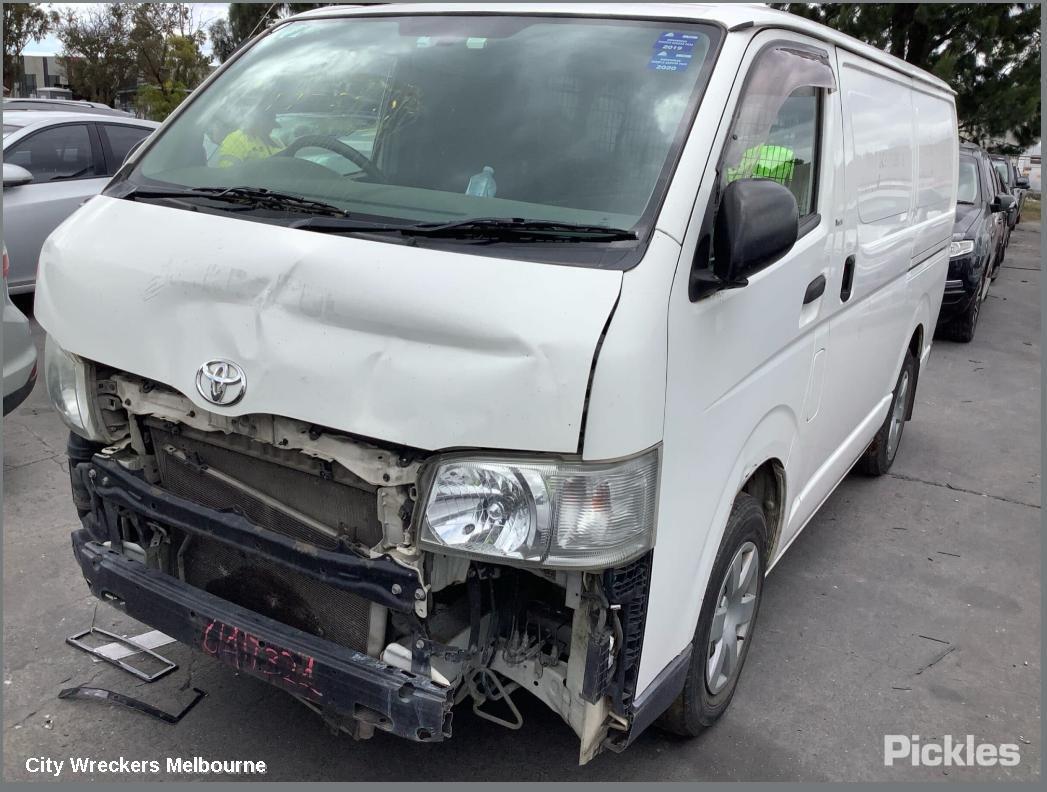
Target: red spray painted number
x: 240, y: 650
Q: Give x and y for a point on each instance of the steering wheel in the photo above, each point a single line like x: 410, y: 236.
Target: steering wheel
x: 331, y: 143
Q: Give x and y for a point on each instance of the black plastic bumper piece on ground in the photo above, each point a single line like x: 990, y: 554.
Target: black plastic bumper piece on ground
x: 341, y: 683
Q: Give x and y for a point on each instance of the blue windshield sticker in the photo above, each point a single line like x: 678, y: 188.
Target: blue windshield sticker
x: 673, y: 51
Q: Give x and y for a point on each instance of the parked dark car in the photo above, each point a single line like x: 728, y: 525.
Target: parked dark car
x: 1017, y: 185
x: 977, y: 243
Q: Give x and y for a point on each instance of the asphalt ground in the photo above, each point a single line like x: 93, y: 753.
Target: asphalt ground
x: 910, y: 605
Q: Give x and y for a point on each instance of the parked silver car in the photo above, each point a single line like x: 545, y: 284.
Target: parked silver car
x: 53, y: 161
x: 19, y: 351
x: 63, y: 105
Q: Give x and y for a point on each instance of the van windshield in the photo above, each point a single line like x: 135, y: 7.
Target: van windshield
x: 446, y: 119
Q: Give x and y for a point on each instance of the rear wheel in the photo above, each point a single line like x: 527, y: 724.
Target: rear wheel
x: 880, y: 454
x: 725, y: 625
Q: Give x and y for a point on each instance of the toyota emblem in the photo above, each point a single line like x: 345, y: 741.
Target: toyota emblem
x: 221, y: 382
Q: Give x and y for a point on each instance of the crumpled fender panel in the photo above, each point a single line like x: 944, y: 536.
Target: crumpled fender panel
x: 418, y: 347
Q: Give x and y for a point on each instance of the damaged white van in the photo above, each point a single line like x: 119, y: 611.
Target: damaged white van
x: 445, y: 355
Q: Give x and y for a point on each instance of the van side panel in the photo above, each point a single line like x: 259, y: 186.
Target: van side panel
x: 869, y: 330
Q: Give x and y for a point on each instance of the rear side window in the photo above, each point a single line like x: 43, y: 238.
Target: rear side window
x: 121, y: 137
x: 935, y: 152
x: 878, y: 114
x: 62, y: 152
x: 775, y: 131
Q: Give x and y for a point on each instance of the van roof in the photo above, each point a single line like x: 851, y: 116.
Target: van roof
x: 730, y: 15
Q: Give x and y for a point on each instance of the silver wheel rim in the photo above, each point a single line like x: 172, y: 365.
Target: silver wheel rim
x: 732, y: 618
x: 901, y: 399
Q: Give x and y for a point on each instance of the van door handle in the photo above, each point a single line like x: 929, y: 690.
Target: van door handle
x: 815, y: 289
x: 848, y: 279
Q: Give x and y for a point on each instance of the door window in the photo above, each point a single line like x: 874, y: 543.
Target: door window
x: 775, y: 131
x: 62, y: 152
x: 121, y: 137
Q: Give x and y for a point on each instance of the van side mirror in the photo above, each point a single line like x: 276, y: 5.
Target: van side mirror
x: 1003, y: 203
x: 1022, y: 183
x: 15, y: 176
x: 756, y: 224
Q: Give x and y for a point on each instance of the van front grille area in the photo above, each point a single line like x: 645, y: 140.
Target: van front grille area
x: 279, y: 491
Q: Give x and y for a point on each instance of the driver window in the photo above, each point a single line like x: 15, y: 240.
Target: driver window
x: 775, y: 131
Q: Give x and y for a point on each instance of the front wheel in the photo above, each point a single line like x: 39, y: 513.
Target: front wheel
x: 880, y: 454
x: 725, y: 626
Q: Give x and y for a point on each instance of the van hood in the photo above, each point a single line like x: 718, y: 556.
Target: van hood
x: 424, y: 348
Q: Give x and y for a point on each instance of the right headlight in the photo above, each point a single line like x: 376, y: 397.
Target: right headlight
x: 543, y: 512
x: 960, y: 248
x: 71, y: 387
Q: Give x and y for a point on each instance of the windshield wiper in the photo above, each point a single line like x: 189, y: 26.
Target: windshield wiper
x: 255, y: 197
x: 519, y: 228
x: 513, y: 229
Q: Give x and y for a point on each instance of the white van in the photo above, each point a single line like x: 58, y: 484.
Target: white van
x: 432, y: 353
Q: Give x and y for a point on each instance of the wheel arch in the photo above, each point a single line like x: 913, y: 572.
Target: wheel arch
x: 767, y: 485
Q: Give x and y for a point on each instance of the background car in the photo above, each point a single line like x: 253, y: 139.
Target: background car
x: 19, y: 351
x: 1017, y: 184
x: 63, y: 105
x: 977, y: 244
x: 52, y: 163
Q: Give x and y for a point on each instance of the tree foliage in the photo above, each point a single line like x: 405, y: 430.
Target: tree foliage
x: 167, y: 44
x: 97, y: 52
x: 248, y: 19
x: 221, y: 36
x: 154, y: 48
x: 23, y: 22
x: 988, y: 52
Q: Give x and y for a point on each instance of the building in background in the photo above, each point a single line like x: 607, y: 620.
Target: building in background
x: 43, y: 77
x: 1029, y: 166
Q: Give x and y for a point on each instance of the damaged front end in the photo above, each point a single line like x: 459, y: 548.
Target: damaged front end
x: 380, y: 585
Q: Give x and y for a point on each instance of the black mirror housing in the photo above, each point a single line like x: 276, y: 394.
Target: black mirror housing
x: 1003, y: 203
x: 756, y: 224
x: 1022, y: 183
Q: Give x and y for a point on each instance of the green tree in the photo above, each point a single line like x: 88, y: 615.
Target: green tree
x: 96, y: 50
x: 248, y: 19
x: 23, y: 22
x: 222, y: 43
x: 988, y: 52
x: 167, y: 45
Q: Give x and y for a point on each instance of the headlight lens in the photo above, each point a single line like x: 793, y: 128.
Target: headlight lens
x: 543, y: 512
x: 69, y: 385
x: 961, y: 248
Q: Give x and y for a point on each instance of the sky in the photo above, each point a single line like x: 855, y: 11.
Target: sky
x: 205, y: 13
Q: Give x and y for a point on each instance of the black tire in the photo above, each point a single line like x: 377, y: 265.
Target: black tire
x: 697, y: 708
x: 880, y: 454
x: 962, y: 327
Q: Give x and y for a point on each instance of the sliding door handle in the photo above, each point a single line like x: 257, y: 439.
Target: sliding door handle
x: 848, y: 279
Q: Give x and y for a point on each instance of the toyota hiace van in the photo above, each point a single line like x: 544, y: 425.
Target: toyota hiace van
x: 450, y: 354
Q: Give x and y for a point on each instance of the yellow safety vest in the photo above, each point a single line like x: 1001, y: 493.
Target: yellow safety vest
x: 240, y: 146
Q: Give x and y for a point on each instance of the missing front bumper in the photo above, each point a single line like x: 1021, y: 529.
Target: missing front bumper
x: 343, y: 684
